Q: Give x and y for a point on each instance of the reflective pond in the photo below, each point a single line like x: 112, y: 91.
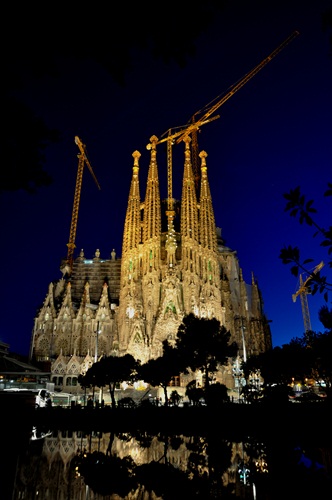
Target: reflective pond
x: 55, y: 463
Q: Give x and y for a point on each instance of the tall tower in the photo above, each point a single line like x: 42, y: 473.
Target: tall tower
x: 131, y: 304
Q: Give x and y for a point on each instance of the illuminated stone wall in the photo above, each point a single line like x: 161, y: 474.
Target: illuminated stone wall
x: 173, y: 263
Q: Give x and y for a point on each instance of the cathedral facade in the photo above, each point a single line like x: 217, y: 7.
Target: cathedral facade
x: 173, y: 263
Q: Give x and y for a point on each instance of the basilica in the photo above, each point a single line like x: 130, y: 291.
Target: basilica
x: 174, y: 262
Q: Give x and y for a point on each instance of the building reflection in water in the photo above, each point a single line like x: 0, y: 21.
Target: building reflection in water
x: 142, y: 466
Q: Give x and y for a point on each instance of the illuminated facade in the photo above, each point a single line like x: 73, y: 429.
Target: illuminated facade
x: 173, y: 263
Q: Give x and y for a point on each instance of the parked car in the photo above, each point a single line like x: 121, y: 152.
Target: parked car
x: 43, y: 399
x: 309, y: 397
x: 126, y: 403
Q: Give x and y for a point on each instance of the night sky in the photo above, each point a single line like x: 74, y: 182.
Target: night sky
x: 273, y: 135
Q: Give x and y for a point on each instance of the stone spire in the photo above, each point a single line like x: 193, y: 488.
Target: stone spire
x: 152, y: 208
x: 131, y: 233
x: 152, y: 215
x: 132, y: 228
x: 207, y: 225
x: 256, y: 303
x: 189, y: 215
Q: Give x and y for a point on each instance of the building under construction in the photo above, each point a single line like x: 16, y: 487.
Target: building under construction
x: 173, y: 263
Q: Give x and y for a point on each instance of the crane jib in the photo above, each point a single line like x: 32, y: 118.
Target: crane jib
x: 82, y: 160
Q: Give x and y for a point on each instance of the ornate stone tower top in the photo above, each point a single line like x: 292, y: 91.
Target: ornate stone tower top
x: 152, y: 208
x: 189, y: 215
x: 131, y: 233
x: 207, y: 225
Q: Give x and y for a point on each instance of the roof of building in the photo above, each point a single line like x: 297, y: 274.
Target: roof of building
x: 14, y: 366
x: 11, y: 365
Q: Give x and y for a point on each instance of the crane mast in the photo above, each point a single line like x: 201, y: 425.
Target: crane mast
x: 193, y: 127
x: 82, y: 160
x: 170, y: 201
x: 303, y: 292
x: 305, y: 307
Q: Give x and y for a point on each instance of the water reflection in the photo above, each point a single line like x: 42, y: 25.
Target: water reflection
x: 139, y: 465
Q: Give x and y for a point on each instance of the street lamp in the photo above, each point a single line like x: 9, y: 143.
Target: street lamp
x: 237, y: 372
x: 243, y: 473
x: 98, y: 331
x: 243, y: 342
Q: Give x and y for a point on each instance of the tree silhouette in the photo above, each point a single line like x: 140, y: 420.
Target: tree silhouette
x: 217, y: 394
x: 194, y: 394
x: 278, y: 367
x: 165, y: 481
x: 203, y: 345
x: 159, y: 371
x: 175, y: 398
x: 111, y: 371
x: 325, y: 317
x: 107, y: 474
x: 91, y: 379
x: 319, y: 348
x: 298, y: 206
x: 25, y: 137
x: 307, y: 357
x: 23, y: 143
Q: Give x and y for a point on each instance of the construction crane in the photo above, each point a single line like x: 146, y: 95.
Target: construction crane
x: 82, y: 160
x: 303, y: 291
x: 195, y: 123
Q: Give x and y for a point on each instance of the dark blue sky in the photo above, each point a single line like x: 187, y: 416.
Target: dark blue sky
x: 273, y: 135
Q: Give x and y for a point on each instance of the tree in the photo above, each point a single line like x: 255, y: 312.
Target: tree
x: 23, y: 143
x: 175, y: 398
x: 106, y: 474
x: 25, y: 137
x: 194, y: 394
x: 307, y: 357
x: 318, y: 350
x: 278, y: 368
x: 298, y: 206
x: 218, y: 394
x: 203, y: 345
x: 159, y: 371
x: 325, y: 317
x: 91, y: 379
x: 111, y: 371
x: 318, y: 347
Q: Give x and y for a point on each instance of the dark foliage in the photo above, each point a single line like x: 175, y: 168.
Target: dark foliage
x: 165, y: 481
x: 194, y: 394
x: 110, y: 371
x: 40, y: 40
x: 217, y: 393
x: 23, y: 142
x: 126, y: 403
x: 160, y: 371
x: 325, y: 317
x: 299, y: 207
x: 204, y: 344
x: 107, y: 475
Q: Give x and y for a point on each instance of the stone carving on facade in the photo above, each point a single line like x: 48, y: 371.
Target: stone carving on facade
x: 133, y: 303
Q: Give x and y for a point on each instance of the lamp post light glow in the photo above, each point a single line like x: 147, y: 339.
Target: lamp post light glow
x: 98, y: 331
x: 243, y: 342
